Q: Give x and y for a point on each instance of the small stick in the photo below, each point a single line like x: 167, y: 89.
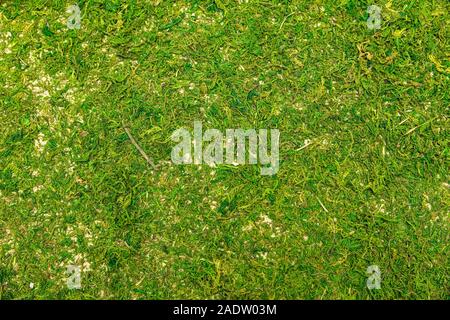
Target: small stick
x: 285, y: 18
x: 403, y: 121
x: 142, y: 152
x: 305, y: 145
x: 321, y: 204
x: 420, y: 125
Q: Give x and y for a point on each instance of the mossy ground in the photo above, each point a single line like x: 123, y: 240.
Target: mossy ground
x: 371, y: 188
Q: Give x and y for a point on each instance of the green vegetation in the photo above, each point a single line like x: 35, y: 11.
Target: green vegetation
x: 363, y: 178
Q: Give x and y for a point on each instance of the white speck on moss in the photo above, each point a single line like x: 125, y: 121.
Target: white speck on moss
x: 263, y: 255
x: 40, y: 143
x: 266, y: 220
x: 38, y: 188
